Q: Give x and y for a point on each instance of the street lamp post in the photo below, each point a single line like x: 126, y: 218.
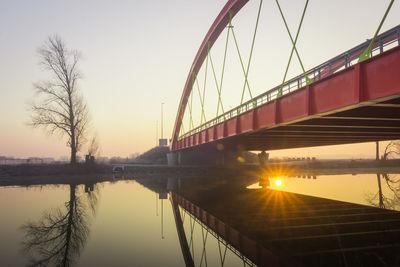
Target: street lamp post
x: 162, y: 105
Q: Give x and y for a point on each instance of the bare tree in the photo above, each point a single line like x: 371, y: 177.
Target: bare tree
x: 392, y: 150
x: 61, y: 108
x: 94, y: 146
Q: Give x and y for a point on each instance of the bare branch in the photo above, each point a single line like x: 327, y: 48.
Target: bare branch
x: 392, y: 150
x: 94, y: 146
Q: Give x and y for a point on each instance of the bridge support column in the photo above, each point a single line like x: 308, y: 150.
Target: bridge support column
x: 210, y: 155
x: 199, y: 157
x: 262, y: 158
x: 172, y: 158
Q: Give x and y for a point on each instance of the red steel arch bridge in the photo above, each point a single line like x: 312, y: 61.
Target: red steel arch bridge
x: 353, y: 97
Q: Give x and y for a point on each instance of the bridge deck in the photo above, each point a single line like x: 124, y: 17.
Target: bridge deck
x: 358, y: 104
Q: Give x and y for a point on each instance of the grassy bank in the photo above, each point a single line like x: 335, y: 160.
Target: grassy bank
x: 51, y: 169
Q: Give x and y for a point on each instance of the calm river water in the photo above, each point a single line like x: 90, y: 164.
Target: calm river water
x: 130, y: 222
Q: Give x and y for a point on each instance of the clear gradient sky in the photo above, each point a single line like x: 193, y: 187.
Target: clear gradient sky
x: 137, y: 54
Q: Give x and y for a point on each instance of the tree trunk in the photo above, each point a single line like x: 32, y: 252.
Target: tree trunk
x: 73, y: 143
x: 73, y: 155
x: 71, y: 214
x: 73, y: 150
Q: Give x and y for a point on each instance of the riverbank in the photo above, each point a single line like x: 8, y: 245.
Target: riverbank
x: 81, y: 173
x: 106, y: 169
x: 50, y: 169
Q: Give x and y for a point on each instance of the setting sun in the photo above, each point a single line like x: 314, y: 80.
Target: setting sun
x: 278, y: 182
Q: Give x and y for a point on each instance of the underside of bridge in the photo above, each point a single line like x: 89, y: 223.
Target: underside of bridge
x: 364, y: 123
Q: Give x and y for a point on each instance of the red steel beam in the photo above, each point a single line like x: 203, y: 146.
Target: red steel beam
x: 371, y: 80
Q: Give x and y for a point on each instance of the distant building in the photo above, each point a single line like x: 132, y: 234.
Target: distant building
x: 163, y: 195
x: 12, y: 161
x: 103, y: 160
x: 163, y: 142
x: 34, y: 160
x: 30, y: 160
x: 48, y: 160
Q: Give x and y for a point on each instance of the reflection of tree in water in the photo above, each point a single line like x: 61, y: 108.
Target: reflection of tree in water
x: 58, y: 237
x: 381, y: 199
x: 392, y: 151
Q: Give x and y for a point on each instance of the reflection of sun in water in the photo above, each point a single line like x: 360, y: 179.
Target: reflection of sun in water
x: 278, y: 182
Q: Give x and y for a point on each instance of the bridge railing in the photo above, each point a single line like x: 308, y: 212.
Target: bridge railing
x: 383, y: 42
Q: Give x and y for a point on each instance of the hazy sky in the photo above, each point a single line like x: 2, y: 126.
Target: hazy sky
x: 137, y: 54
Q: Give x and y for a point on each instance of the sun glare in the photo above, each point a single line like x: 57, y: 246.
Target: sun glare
x: 278, y: 182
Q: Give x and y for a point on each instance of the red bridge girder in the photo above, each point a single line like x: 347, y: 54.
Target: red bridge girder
x: 358, y: 104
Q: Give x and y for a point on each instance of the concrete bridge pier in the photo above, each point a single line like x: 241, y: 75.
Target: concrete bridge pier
x: 172, y: 158
x: 262, y: 158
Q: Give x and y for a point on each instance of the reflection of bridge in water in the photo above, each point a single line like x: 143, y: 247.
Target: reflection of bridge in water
x: 266, y: 227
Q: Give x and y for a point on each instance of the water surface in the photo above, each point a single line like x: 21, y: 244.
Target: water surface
x: 131, y: 222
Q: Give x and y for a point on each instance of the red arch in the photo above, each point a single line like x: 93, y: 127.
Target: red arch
x: 212, y: 35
